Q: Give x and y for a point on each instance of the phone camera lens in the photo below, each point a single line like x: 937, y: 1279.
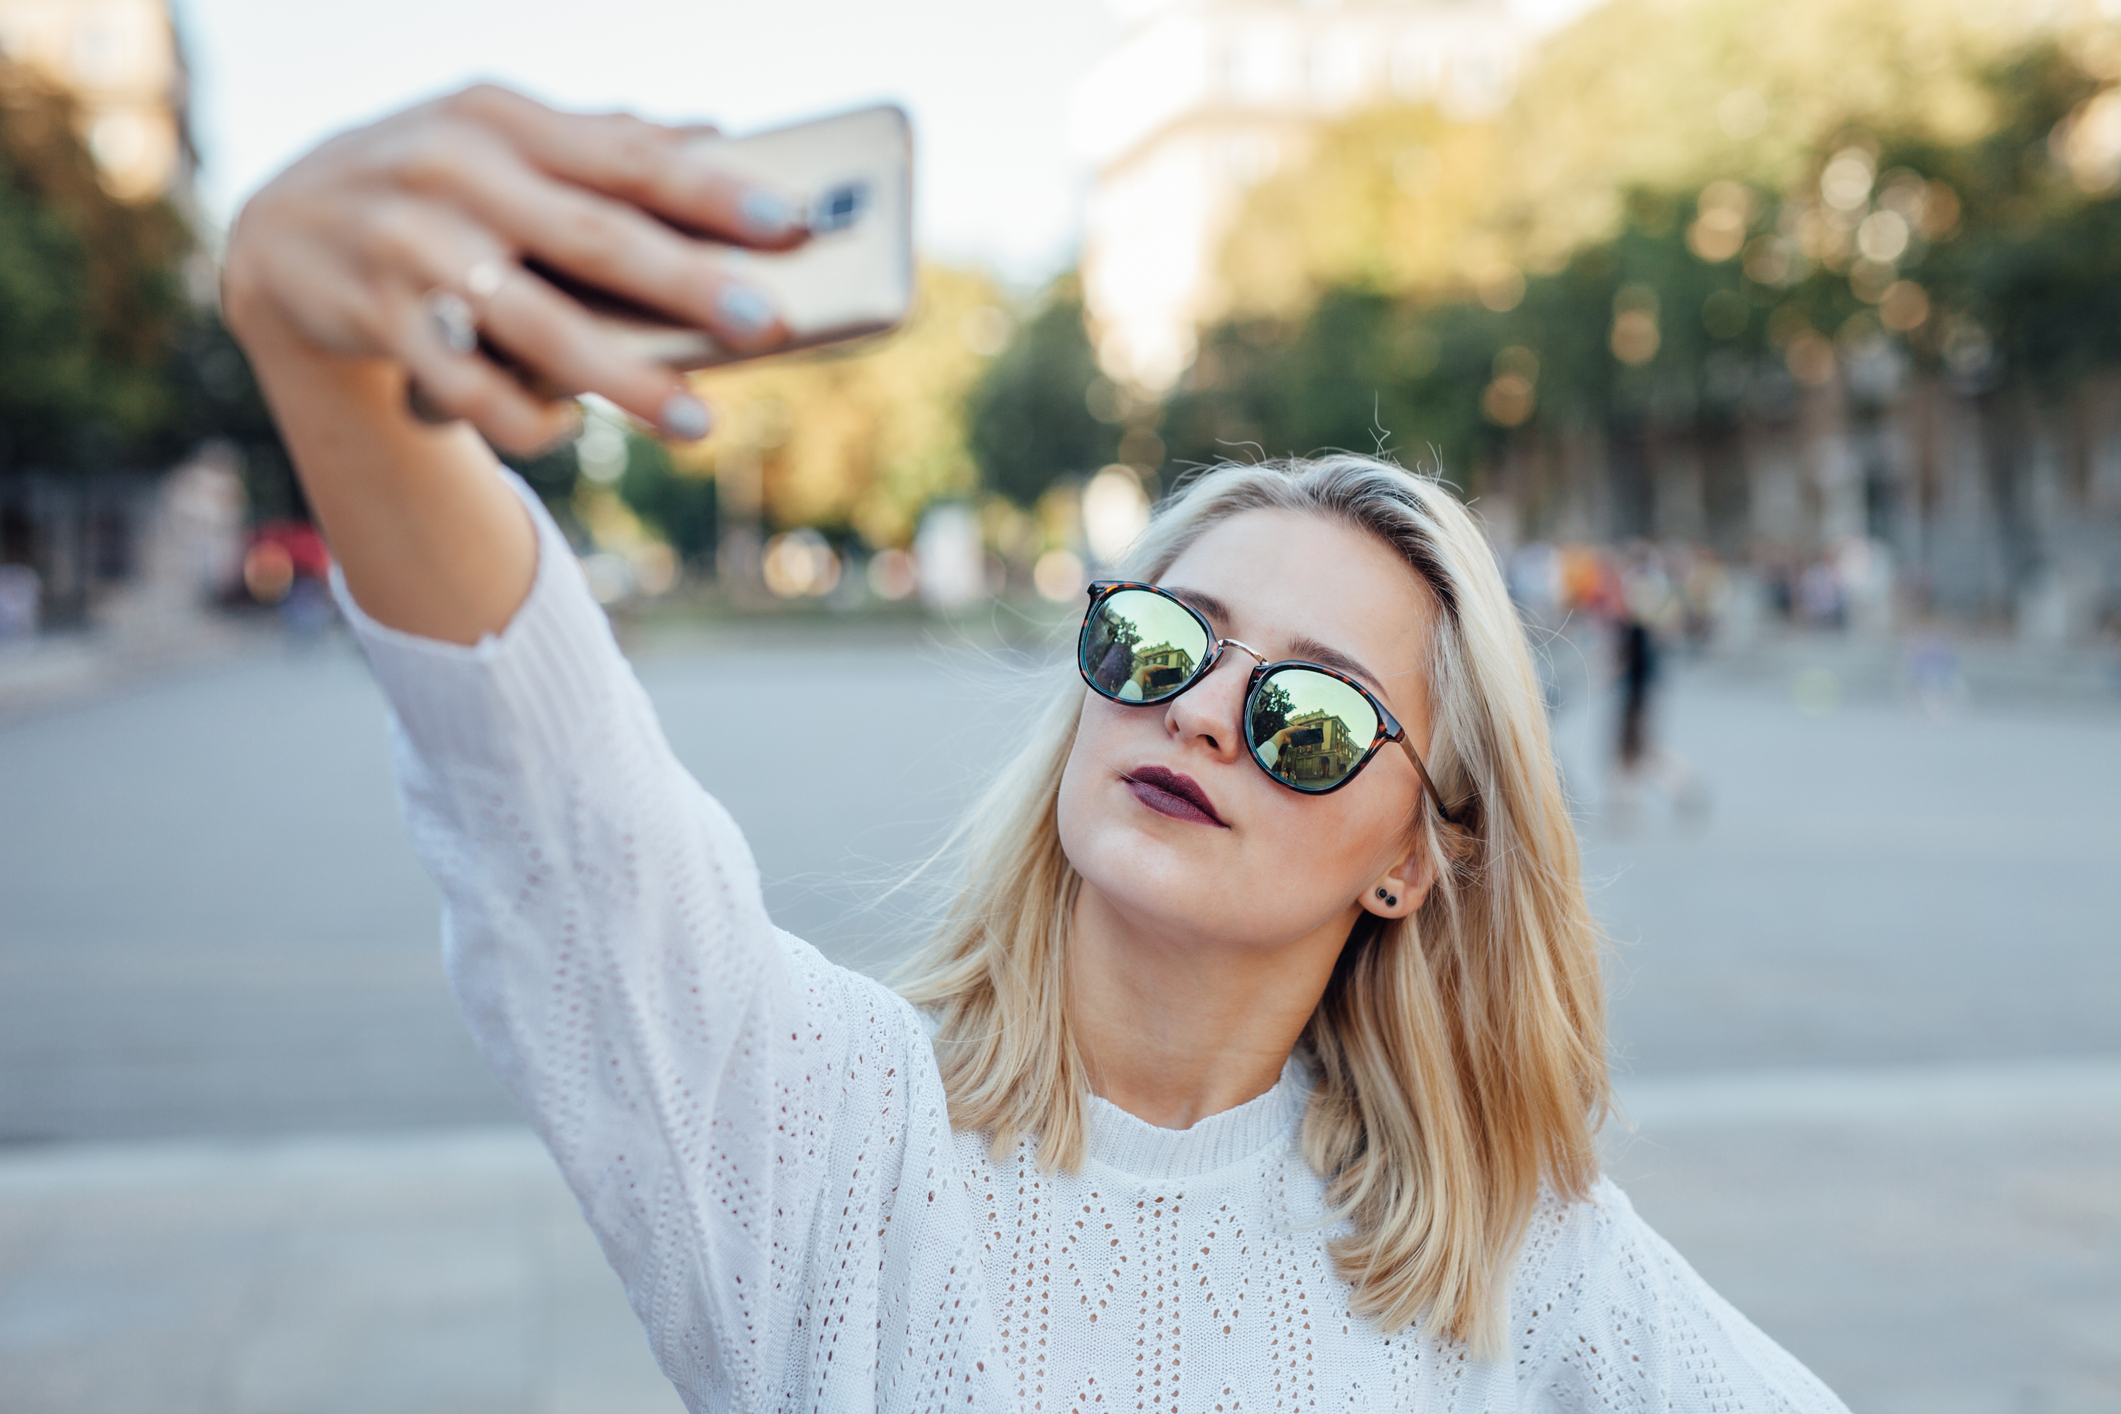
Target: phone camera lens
x: 840, y: 207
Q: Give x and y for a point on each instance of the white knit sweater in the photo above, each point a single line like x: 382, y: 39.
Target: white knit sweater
x: 761, y: 1142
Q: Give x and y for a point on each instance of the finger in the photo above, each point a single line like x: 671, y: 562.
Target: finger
x: 536, y: 324
x: 449, y: 385
x: 665, y: 170
x: 612, y: 246
x: 432, y: 254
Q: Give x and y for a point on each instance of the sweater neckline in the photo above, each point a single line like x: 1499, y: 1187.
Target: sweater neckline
x: 1121, y: 1141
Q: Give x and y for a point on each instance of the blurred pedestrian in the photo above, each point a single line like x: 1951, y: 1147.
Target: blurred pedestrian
x: 21, y: 592
x: 2110, y: 639
x: 1292, y: 1057
x: 1648, y: 612
x: 1536, y: 583
x: 287, y: 568
x: 1638, y: 673
x: 1822, y: 596
x: 1539, y: 590
x: 1933, y: 677
x: 307, y: 611
x: 1704, y: 595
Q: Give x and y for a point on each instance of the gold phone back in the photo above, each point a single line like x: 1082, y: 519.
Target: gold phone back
x: 854, y: 277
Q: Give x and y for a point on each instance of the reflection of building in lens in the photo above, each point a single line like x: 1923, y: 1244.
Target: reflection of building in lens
x: 1162, y: 668
x: 1319, y: 748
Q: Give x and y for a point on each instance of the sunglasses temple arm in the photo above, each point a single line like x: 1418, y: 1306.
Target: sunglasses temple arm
x: 1427, y: 784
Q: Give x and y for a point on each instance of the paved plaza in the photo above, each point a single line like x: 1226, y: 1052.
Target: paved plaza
x: 1865, y: 1012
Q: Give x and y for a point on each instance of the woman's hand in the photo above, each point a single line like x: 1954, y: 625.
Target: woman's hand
x: 372, y: 267
x: 356, y: 249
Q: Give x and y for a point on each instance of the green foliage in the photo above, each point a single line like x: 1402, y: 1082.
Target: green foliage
x: 861, y: 438
x: 2032, y: 277
x: 91, y: 303
x: 1637, y: 95
x: 1029, y: 423
x: 2007, y: 272
x: 1271, y: 713
x: 677, y: 507
x: 553, y: 474
x: 216, y: 397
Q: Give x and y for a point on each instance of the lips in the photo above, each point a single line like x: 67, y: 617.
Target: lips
x: 1169, y: 793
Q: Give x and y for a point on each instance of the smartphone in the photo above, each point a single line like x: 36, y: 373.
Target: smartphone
x: 854, y: 277
x: 1307, y: 736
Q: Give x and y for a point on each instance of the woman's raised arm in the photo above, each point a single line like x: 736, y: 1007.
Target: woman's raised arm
x: 758, y: 1137
x: 361, y: 271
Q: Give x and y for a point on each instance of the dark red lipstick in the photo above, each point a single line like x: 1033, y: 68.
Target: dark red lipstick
x: 1169, y: 793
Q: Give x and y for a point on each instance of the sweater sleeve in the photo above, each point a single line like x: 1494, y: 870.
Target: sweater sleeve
x: 759, y: 1138
x: 1608, y: 1317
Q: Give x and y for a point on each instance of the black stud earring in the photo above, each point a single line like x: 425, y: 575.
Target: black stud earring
x: 1391, y: 900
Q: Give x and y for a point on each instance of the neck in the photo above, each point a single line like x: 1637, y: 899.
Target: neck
x: 1177, y: 1028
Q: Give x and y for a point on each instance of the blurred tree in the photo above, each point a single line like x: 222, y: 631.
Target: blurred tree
x: 553, y: 474
x: 91, y: 299
x: 1983, y: 249
x: 2025, y: 285
x: 1639, y: 95
x: 860, y: 439
x: 681, y: 509
x: 1030, y: 420
x: 217, y: 398
x: 1271, y: 713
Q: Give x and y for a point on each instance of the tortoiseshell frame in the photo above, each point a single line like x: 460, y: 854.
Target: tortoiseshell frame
x: 1388, y: 727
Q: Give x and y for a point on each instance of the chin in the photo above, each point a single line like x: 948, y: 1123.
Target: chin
x: 1158, y: 902
x: 1136, y: 858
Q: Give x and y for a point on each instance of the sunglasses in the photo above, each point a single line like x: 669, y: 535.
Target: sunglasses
x: 1309, y: 727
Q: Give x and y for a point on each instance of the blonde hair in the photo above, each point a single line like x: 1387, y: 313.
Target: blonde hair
x: 1459, y: 1053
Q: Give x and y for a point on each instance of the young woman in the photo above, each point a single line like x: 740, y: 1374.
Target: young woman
x: 1257, y: 1065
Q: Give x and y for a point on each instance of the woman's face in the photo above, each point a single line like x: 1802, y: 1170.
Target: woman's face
x: 1272, y: 865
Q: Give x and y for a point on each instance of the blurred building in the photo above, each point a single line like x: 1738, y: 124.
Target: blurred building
x: 121, y: 62
x: 1203, y: 98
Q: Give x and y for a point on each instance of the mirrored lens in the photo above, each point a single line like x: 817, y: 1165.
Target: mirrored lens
x: 1141, y: 647
x: 1309, y: 729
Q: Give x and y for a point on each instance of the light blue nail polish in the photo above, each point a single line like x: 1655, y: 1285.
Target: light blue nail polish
x: 686, y: 417
x: 746, y: 309
x: 767, y: 213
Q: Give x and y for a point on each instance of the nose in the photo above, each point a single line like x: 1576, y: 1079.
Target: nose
x: 1212, y: 712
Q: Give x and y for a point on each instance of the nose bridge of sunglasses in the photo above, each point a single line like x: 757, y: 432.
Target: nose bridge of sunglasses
x: 1243, y: 674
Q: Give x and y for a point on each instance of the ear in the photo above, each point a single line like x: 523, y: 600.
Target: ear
x: 1399, y: 891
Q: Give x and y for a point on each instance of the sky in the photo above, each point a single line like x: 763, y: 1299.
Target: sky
x: 987, y: 83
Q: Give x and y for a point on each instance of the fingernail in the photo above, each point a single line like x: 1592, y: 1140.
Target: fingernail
x: 685, y: 417
x: 767, y: 213
x: 745, y: 308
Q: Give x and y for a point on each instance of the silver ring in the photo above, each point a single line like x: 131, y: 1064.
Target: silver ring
x: 483, y: 280
x: 456, y: 324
